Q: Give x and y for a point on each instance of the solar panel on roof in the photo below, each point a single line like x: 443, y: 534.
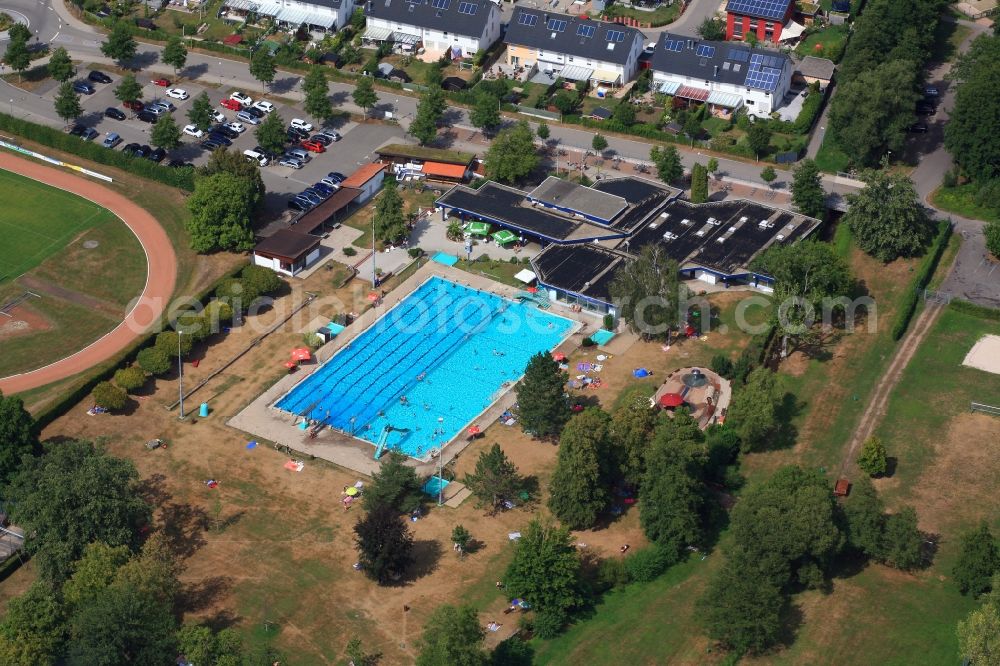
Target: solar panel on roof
x: 756, y: 59
x: 585, y: 30
x: 440, y: 4
x: 615, y: 36
x: 527, y: 19
x: 739, y: 55
x: 771, y: 9
x: 706, y: 51
x: 673, y: 45
x: 556, y: 25
x: 763, y: 79
x: 469, y: 8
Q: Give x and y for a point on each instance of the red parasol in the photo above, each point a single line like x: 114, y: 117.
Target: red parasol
x: 671, y: 400
x: 532, y: 290
x: 558, y: 356
x: 301, y: 354
x: 474, y: 430
x: 291, y: 365
x: 372, y: 296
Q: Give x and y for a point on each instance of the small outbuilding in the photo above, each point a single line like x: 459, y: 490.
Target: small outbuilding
x: 811, y: 69
x: 367, y: 179
x: 287, y: 252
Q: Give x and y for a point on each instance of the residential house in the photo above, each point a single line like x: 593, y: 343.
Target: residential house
x: 763, y: 18
x: 460, y: 26
x: 723, y: 75
x: 574, y: 48
x: 315, y: 14
x: 287, y: 252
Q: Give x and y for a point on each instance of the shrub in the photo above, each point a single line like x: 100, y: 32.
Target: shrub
x: 611, y: 573
x: 721, y: 365
x: 218, y: 312
x: 514, y: 260
x: 587, y: 342
x: 260, y: 280
x: 168, y: 342
x: 414, y: 252
x: 609, y: 322
x: 109, y: 396
x: 992, y: 233
x: 130, y: 378
x: 153, y: 360
x: 647, y: 564
x: 349, y: 251
x: 924, y: 274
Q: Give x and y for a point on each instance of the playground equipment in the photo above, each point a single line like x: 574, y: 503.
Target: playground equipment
x: 382, y: 439
x: 527, y: 297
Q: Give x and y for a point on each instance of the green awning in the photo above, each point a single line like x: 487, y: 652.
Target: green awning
x: 504, y: 236
x: 478, y: 228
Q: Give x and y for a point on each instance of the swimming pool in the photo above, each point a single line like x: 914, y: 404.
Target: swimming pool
x: 427, y: 368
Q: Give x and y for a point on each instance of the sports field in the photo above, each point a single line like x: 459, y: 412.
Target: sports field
x: 36, y: 221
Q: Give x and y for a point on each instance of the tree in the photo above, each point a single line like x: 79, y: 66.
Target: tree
x: 712, y: 29
x: 220, y: 216
x: 260, y: 280
x: 364, y: 94
x: 979, y: 636
x: 72, y: 495
x: 741, y: 609
x: 17, y: 55
x: 624, y: 113
x: 200, y: 114
x: 430, y: 110
x: 577, y: 491
x: 753, y: 410
x: 758, y: 138
x: 545, y: 572
x: 494, y: 480
x: 175, y: 54
x: 33, y: 631
x: 543, y: 131
x: 263, y: 68
x: 67, y: 103
x: 109, y: 396
x: 485, y: 113
x: 390, y: 219
x: 541, y: 397
x: 768, y: 175
x: 60, y: 65
x: 513, y: 651
x: 865, y: 516
x: 647, y: 292
x: 394, y: 485
x: 153, y: 360
x: 667, y: 162
x: 631, y: 426
x: 317, y: 89
x: 992, y: 233
x: 384, y: 544
x: 461, y: 538
x: 699, y: 184
x: 692, y: 126
x: 872, y: 460
x: 712, y: 166
x: 94, y: 572
x: 807, y: 189
x: 120, y: 45
x: 978, y: 561
x: 165, y: 132
x: 128, y: 90
x: 453, y: 637
x: 130, y: 379
x: 671, y: 499
x: 902, y: 540
x: 233, y: 162
x: 512, y: 155
x: 270, y: 134
x: 599, y: 144
x: 975, y: 150
x: 17, y: 436
x: 887, y: 218
x: 871, y: 111
x: 171, y: 343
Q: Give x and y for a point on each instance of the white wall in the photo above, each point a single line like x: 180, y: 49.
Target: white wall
x: 438, y: 40
x: 371, y: 187
x: 757, y: 102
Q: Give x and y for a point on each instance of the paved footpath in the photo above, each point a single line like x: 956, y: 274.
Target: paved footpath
x: 161, y: 274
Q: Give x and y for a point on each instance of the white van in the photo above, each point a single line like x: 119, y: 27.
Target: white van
x: 254, y: 156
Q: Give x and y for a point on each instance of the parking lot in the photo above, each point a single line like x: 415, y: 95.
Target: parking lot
x: 357, y: 146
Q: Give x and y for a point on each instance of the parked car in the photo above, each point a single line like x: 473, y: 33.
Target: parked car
x: 316, y: 193
x: 255, y: 112
x: 925, y: 109
x: 298, y: 203
x: 247, y: 118
x: 155, y: 110
x: 266, y: 153
x: 931, y: 91
x: 239, y: 128
x: 292, y: 162
x: 130, y: 148
x: 163, y: 83
x: 337, y: 176
x: 111, y: 139
x: 321, y: 138
x: 244, y: 100
x: 313, y: 146
x: 192, y: 130
x: 323, y: 188
x: 210, y: 144
x: 133, y: 105
x: 83, y: 88
x: 112, y: 112
x: 157, y: 155
x: 218, y: 117
x: 258, y: 158
x: 220, y: 138
x: 76, y: 130
x: 311, y: 197
x: 329, y: 182
x: 148, y: 116
x: 231, y: 104
x: 298, y: 123
x: 264, y: 106
x: 89, y: 133
x: 143, y: 150
x: 177, y: 93
x: 224, y: 131
x: 300, y: 153
x: 161, y: 104
x: 295, y: 135
x: 98, y: 77
x: 333, y: 134
x: 176, y: 164
x: 917, y: 128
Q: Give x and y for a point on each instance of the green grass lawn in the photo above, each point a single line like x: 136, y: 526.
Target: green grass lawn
x: 961, y: 201
x: 39, y: 222
x: 830, y: 157
x: 830, y: 42
x: 662, y: 15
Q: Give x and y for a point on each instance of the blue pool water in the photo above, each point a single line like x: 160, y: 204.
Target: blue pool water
x: 427, y: 368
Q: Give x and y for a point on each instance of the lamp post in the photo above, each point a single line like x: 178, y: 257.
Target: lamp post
x: 180, y: 375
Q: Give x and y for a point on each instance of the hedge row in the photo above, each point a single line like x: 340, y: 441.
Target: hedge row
x: 968, y: 308
x: 923, y: 276
x: 181, y: 177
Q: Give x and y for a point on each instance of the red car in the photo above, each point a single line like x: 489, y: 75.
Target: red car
x: 313, y: 146
x: 134, y: 105
x: 231, y: 104
x: 161, y: 82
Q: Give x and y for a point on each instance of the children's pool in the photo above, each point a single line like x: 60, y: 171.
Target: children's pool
x: 427, y: 368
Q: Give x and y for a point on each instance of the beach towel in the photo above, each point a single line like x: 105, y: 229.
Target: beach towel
x: 294, y: 465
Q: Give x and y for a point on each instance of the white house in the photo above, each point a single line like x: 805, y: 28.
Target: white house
x: 288, y: 252
x: 574, y: 48
x: 316, y: 14
x: 724, y: 75
x: 460, y: 26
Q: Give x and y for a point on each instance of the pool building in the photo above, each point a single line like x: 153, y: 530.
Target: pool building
x: 589, y: 233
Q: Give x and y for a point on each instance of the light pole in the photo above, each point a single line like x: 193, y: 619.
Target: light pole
x: 12, y: 106
x: 180, y: 375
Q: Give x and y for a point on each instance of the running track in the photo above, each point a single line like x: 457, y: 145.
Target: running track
x: 161, y: 273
